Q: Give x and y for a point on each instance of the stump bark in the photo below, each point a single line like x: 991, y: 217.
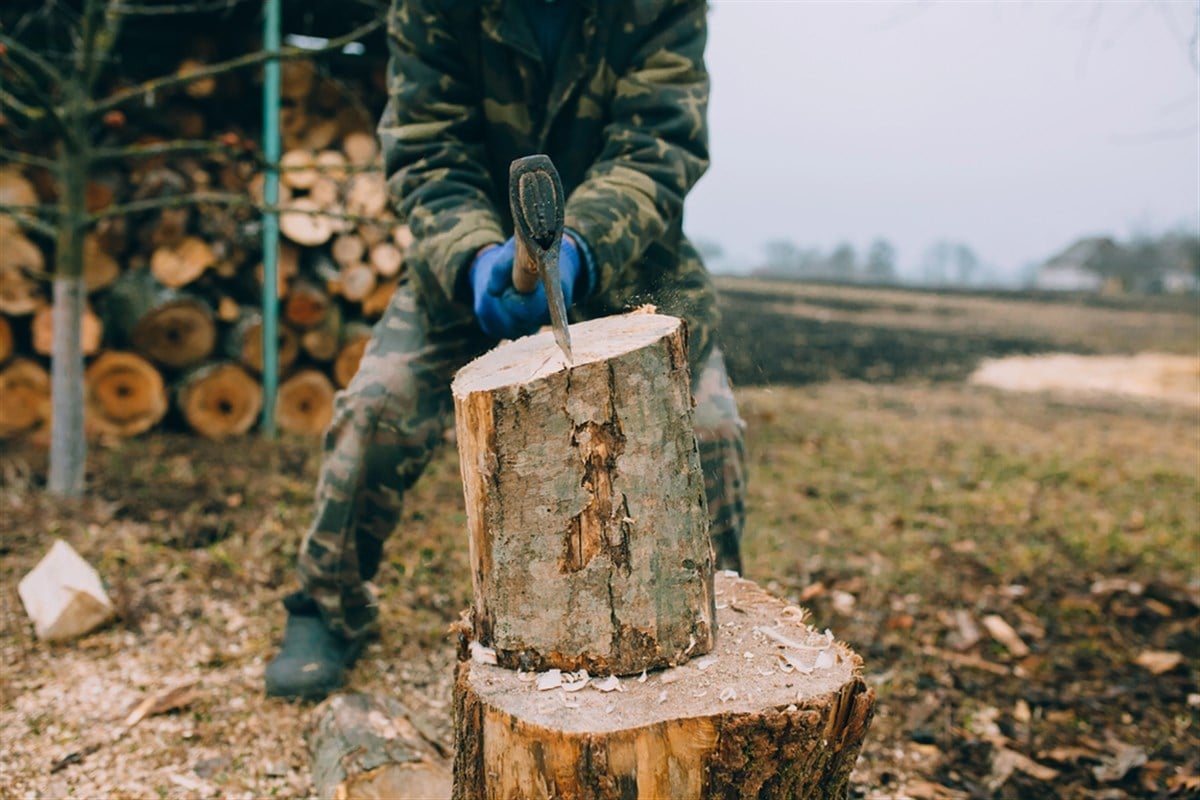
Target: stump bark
x: 777, y: 710
x: 585, y: 502
x: 365, y: 746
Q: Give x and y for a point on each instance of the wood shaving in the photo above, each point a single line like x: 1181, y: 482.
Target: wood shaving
x: 728, y: 693
x: 574, y: 681
x: 551, y: 679
x: 481, y: 654
x: 610, y: 684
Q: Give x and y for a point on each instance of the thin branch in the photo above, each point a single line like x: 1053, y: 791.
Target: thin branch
x: 28, y: 160
x: 106, y: 39
x: 21, y: 215
x: 15, y: 47
x: 220, y: 68
x: 183, y: 8
x: 28, y: 112
x: 162, y: 149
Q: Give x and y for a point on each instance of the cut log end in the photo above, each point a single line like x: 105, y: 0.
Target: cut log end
x: 91, y: 331
x: 776, y: 710
x: 7, y: 346
x: 125, y: 395
x: 220, y: 400
x: 178, y: 266
x: 177, y: 334
x: 354, y: 343
x: 24, y: 399
x: 305, y: 403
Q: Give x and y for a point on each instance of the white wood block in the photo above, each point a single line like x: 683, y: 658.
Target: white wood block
x: 63, y: 595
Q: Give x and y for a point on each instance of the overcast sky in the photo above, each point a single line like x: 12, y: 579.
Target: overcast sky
x: 1014, y: 127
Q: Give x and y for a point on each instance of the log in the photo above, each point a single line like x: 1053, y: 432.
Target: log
x: 355, y: 337
x: 302, y: 223
x: 386, y: 259
x: 219, y: 400
x: 24, y: 399
x: 171, y: 228
x: 360, y: 148
x: 173, y: 329
x: 7, y: 345
x: 320, y: 133
x: 296, y: 78
x: 332, y: 164
x: 356, y: 282
x: 305, y: 403
x: 306, y: 305
x: 201, y: 87
x: 176, y: 267
x: 20, y: 254
x: 402, y: 237
x: 348, y: 249
x: 366, y: 194
x: 124, y: 395
x: 91, y: 331
x: 778, y: 710
x: 321, y: 343
x: 377, y: 301
x: 365, y: 746
x: 228, y: 309
x: 325, y: 193
x: 583, y: 484
x: 100, y: 270
x: 16, y: 189
x: 243, y: 342
x: 297, y: 169
x: 19, y: 293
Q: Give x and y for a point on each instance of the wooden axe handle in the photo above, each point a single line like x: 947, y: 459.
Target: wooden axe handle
x: 525, y: 269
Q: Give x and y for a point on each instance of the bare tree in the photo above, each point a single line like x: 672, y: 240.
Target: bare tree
x: 57, y: 62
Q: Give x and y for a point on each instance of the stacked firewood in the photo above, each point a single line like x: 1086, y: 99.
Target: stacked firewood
x: 173, y: 325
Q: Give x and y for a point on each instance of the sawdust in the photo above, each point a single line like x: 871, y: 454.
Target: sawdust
x: 1146, y: 376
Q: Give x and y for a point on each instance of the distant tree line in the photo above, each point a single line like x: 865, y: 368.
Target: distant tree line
x: 786, y: 260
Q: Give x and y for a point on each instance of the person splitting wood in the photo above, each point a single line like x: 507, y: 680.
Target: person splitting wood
x: 616, y: 94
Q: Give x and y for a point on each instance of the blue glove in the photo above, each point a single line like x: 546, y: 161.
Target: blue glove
x: 505, y: 313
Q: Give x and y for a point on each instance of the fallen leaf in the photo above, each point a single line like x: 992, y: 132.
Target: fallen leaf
x: 1122, y: 759
x: 1158, y: 662
x: 1006, y: 761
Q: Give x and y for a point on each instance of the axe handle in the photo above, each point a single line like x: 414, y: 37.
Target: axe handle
x: 525, y: 267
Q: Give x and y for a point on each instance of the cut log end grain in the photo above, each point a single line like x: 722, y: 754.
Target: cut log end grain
x: 220, y: 400
x: 200, y: 87
x: 19, y: 293
x: 377, y: 301
x: 178, y: 333
x: 298, y: 169
x: 305, y: 403
x: 24, y: 399
x: 91, y: 331
x: 402, y: 237
x: 244, y: 343
x: 16, y: 189
x: 386, y: 259
x: 19, y: 253
x: 777, y: 711
x: 367, y: 194
x: 178, y: 266
x: 348, y: 249
x: 124, y: 396
x: 304, y: 224
x: 357, y: 281
x: 360, y: 148
x: 306, y: 305
x: 331, y: 164
x: 100, y: 270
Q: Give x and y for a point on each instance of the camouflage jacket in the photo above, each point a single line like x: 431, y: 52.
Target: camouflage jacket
x: 622, y: 114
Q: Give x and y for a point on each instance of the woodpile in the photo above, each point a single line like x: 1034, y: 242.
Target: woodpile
x: 174, y: 312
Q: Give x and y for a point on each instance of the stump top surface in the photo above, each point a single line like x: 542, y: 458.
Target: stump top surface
x: 766, y: 658
x: 532, y: 357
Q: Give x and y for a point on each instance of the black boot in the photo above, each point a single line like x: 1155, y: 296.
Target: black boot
x: 312, y: 661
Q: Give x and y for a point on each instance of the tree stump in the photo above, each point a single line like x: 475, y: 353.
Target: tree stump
x: 365, y: 746
x: 777, y: 710
x: 585, y: 502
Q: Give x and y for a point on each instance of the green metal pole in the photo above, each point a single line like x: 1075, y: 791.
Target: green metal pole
x: 270, y: 236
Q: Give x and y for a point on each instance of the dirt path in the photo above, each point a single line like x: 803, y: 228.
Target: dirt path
x: 1152, y: 376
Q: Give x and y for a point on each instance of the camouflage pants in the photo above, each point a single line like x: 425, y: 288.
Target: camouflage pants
x: 391, y: 417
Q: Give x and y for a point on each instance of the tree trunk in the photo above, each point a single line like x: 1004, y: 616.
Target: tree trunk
x: 125, y: 395
x: 219, y: 400
x: 173, y: 328
x: 777, y: 710
x: 583, y: 484
x: 364, y: 746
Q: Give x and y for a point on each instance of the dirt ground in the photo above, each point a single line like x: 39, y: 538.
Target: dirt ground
x: 1019, y: 572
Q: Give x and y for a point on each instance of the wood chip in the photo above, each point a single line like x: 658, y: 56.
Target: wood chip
x: 166, y: 700
x: 610, y: 684
x: 551, y: 679
x: 1158, y: 662
x: 1004, y: 633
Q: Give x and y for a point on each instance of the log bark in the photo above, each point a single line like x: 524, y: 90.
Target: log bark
x: 305, y: 403
x: 7, y: 345
x: 24, y: 399
x: 584, y: 490
x: 173, y: 329
x: 124, y: 395
x: 91, y: 331
x: 778, y: 710
x: 355, y: 337
x: 243, y: 342
x: 365, y: 746
x: 219, y: 400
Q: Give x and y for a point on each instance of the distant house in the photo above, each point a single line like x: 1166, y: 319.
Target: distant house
x: 1078, y: 268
